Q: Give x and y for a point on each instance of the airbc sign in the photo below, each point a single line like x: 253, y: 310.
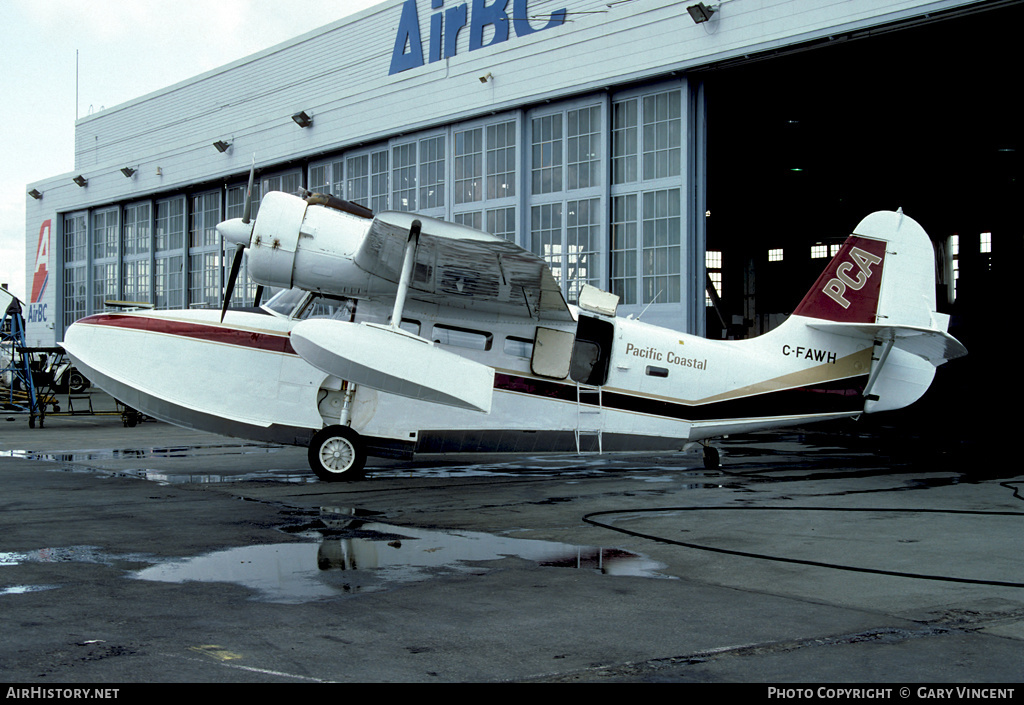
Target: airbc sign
x: 481, y: 18
x: 37, y: 312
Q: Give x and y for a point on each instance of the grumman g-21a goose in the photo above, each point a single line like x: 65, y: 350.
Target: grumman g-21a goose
x: 399, y: 335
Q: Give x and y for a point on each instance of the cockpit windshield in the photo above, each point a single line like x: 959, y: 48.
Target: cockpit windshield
x: 299, y: 305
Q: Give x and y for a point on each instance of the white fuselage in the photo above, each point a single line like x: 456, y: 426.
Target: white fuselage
x: 630, y: 385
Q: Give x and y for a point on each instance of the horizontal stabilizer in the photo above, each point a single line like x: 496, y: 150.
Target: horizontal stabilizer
x: 932, y: 344
x: 395, y: 362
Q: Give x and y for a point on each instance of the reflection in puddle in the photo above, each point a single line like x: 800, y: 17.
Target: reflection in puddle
x: 643, y: 466
x: 76, y: 461
x: 22, y: 589
x: 371, y: 556
x: 182, y: 451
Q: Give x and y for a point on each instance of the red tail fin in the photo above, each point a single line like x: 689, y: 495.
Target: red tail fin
x: 848, y: 288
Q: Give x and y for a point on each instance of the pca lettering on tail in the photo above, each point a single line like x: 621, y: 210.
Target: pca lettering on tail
x: 836, y: 287
x: 848, y: 289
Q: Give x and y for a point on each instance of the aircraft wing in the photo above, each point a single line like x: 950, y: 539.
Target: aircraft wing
x: 459, y: 266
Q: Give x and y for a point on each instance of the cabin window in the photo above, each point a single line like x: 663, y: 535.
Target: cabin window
x: 520, y: 347
x: 653, y: 371
x: 462, y: 337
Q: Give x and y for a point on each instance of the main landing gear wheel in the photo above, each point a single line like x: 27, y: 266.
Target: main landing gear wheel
x: 712, y: 458
x: 337, y: 454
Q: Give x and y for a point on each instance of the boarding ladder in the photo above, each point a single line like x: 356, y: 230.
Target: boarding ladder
x: 589, y: 419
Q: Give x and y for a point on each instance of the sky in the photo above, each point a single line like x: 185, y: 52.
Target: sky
x: 125, y: 49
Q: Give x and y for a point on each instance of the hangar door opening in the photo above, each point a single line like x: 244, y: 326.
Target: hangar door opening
x: 802, y: 146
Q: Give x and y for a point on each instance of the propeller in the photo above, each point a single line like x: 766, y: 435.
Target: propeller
x: 238, y: 231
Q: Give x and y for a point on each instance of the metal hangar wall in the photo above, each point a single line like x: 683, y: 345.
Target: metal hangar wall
x: 599, y: 135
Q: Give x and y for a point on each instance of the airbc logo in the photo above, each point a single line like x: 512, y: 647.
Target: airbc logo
x: 41, y: 276
x: 37, y: 312
x: 483, y: 20
x: 847, y: 278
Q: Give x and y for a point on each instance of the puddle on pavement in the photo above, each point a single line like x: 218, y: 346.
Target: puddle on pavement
x: 77, y: 461
x: 346, y: 555
x: 663, y: 469
x: 368, y: 556
x: 22, y: 589
x: 183, y: 451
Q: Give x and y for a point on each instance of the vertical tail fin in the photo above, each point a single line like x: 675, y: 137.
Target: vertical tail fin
x: 880, y: 287
x: 884, y: 273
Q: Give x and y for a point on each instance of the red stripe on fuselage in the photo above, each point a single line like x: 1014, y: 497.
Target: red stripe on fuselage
x: 199, y: 331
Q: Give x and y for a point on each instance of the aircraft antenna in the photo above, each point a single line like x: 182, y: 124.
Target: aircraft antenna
x: 649, y: 305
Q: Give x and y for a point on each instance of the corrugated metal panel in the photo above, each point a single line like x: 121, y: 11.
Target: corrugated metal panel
x: 340, y: 76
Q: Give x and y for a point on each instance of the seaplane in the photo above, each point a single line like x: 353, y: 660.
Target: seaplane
x: 398, y: 335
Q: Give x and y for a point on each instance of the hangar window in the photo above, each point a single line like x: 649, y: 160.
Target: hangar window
x: 546, y: 172
x: 820, y: 251
x: 954, y: 265
x: 647, y: 132
x: 583, y: 147
x: 328, y: 178
x: 624, y: 249
x: 566, y: 165
x: 646, y: 246
x: 76, y: 238
x: 484, y: 166
x: 502, y: 222
x: 501, y: 159
x: 469, y: 165
x: 367, y: 179
x: 418, y: 175
x: 432, y: 174
x: 471, y: 219
x: 646, y: 204
x: 136, y: 234
x: 168, y: 285
x: 661, y: 234
x: 776, y: 254
x: 713, y: 266
x: 204, y: 253
x: 289, y: 182
x: 403, y: 171
x: 105, y: 236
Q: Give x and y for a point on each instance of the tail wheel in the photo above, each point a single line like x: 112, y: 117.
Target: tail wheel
x: 337, y: 454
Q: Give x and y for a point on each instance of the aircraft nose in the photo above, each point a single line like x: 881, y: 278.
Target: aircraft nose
x: 235, y: 231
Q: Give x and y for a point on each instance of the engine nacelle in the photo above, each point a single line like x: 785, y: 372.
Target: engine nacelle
x: 312, y: 247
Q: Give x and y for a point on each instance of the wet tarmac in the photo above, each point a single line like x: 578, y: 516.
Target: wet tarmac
x: 852, y: 554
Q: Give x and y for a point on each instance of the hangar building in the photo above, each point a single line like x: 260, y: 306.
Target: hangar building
x: 697, y: 159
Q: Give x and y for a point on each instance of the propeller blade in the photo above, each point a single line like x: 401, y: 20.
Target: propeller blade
x: 259, y: 295
x: 236, y: 262
x: 247, y: 209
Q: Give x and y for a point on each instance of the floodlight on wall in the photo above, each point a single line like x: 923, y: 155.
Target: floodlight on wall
x: 221, y: 146
x: 302, y: 119
x: 127, y: 171
x: 486, y: 78
x: 700, y: 12
x: 81, y: 180
x: 34, y: 193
